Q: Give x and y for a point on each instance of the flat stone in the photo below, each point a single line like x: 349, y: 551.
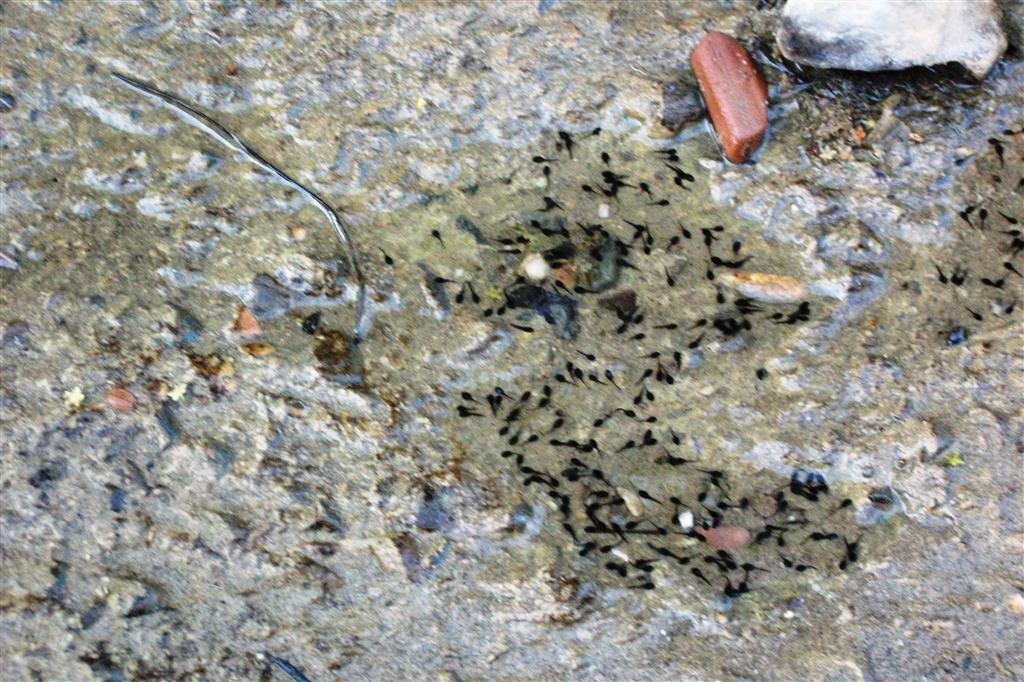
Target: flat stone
x: 736, y: 96
x: 885, y: 35
x: 765, y: 287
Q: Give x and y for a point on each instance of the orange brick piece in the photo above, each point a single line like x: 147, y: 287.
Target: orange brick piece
x: 734, y: 92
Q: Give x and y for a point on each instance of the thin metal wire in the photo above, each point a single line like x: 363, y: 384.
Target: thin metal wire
x: 232, y: 141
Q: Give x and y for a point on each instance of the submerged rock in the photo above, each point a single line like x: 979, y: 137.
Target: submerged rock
x: 767, y: 288
x: 680, y: 104
x: 725, y: 537
x: 557, y: 310
x: 882, y: 35
x: 606, y: 270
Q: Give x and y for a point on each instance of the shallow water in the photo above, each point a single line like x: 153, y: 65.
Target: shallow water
x: 261, y: 500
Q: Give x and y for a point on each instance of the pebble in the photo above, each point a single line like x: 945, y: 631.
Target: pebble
x: 535, y: 268
x: 606, y: 272
x: 603, y: 211
x: 7, y: 102
x: 766, y: 288
x: 520, y: 517
x: 562, y: 312
x: 120, y: 399
x: 634, y: 504
x: 685, y: 520
x: 1015, y: 603
x: 246, y: 324
x: 736, y: 97
x: 726, y: 537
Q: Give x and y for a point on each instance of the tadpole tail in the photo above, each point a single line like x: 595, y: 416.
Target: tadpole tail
x: 229, y: 139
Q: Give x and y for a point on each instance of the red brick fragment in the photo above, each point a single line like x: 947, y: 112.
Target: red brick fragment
x: 734, y: 92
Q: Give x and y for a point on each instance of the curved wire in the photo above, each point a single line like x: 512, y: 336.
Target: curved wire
x: 232, y: 141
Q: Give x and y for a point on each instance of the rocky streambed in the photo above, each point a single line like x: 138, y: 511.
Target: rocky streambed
x: 204, y: 477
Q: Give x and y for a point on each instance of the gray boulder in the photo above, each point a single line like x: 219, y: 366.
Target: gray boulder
x: 882, y: 35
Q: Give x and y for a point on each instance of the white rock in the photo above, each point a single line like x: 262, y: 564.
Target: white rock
x: 883, y: 35
x: 535, y: 268
x: 603, y: 211
x: 685, y: 520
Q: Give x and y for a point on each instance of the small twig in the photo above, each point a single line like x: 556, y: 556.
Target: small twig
x: 229, y: 139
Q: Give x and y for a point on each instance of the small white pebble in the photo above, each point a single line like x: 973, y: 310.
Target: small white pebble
x: 604, y: 210
x: 788, y: 615
x: 622, y: 556
x: 686, y: 520
x: 535, y: 268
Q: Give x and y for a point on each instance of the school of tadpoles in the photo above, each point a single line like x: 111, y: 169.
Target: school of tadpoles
x: 696, y: 518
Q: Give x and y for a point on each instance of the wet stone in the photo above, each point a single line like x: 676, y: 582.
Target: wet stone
x: 606, y: 271
x: 557, y: 310
x: 680, y: 104
x: 7, y: 102
x: 520, y: 517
